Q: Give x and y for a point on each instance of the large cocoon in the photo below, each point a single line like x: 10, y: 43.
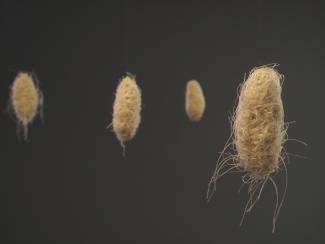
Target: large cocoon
x: 256, y: 143
x: 259, y: 122
x: 127, y: 109
x: 194, y: 101
x: 26, y: 99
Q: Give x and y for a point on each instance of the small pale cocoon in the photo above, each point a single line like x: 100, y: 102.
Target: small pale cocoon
x: 26, y: 99
x: 127, y: 109
x: 194, y: 101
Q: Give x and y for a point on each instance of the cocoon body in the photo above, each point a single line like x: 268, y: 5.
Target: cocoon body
x: 259, y: 122
x: 127, y: 109
x: 194, y: 101
x: 255, y: 145
x: 26, y: 99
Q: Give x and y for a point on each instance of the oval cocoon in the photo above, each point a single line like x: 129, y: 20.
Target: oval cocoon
x: 127, y: 109
x: 194, y: 101
x: 25, y: 97
x: 259, y: 122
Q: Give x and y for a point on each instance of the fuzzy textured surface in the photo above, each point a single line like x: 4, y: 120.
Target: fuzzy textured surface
x: 25, y: 98
x: 256, y: 142
x: 259, y: 122
x: 194, y: 101
x: 127, y: 109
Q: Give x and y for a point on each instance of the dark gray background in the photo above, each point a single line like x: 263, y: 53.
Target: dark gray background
x: 70, y: 184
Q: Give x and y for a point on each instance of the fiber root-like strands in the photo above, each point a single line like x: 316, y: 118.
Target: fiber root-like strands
x: 26, y: 100
x: 255, y: 145
x: 194, y: 101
